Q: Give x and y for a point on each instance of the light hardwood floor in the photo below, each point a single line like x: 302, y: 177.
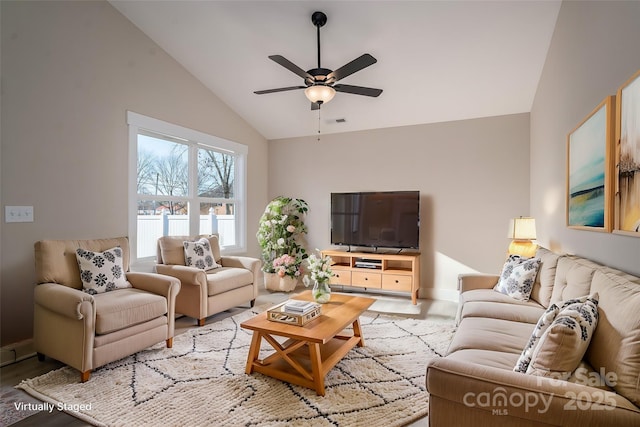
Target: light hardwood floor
x: 11, y: 375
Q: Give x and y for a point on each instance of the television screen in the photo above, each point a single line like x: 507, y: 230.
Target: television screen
x: 388, y: 219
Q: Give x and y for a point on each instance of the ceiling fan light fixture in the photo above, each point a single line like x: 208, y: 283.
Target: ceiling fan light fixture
x: 320, y: 93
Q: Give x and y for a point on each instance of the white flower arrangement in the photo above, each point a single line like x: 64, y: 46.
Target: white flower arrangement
x: 319, y: 270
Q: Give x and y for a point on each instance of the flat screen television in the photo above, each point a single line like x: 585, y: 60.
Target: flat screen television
x: 383, y: 219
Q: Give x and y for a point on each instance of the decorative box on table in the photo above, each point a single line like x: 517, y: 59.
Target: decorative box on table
x: 280, y: 314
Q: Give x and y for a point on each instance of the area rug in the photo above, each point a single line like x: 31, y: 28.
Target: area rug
x: 201, y: 381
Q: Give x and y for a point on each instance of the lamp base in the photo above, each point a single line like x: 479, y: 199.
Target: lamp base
x: 524, y: 248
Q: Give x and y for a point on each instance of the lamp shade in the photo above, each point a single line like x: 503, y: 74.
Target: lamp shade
x: 320, y: 93
x: 523, y: 228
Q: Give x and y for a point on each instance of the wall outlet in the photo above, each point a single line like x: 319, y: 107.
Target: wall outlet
x: 18, y: 214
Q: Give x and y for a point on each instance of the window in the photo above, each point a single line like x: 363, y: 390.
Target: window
x: 183, y: 182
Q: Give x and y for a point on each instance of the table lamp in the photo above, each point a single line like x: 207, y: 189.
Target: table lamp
x: 522, y: 231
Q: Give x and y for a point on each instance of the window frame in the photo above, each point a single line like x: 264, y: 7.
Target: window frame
x: 193, y: 139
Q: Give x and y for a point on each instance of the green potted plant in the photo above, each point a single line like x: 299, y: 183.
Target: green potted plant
x: 280, y: 235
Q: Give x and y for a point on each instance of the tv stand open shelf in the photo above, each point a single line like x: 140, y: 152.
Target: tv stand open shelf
x: 391, y: 272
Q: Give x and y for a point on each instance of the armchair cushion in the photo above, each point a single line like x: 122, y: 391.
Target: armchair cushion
x: 124, y: 308
x: 224, y: 279
x: 101, y: 271
x: 171, y: 249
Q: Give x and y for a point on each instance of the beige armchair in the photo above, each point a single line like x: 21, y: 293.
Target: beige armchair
x: 87, y: 331
x: 203, y: 293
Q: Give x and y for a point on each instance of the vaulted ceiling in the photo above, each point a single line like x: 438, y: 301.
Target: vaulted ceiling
x: 437, y: 60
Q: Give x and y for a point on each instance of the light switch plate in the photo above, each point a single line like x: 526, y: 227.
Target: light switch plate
x: 18, y: 214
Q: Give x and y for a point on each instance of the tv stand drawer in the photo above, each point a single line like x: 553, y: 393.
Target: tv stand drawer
x: 341, y: 277
x: 396, y: 282
x: 368, y: 280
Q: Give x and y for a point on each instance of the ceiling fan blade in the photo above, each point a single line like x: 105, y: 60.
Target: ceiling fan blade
x: 353, y: 66
x: 358, y: 90
x: 291, y: 66
x: 280, y: 89
x: 315, y: 106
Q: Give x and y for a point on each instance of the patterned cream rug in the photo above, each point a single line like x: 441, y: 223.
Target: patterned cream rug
x: 201, y: 381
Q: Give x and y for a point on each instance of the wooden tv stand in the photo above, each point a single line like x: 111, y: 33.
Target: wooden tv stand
x: 391, y: 272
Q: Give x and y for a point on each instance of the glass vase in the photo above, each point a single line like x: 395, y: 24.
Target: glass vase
x: 321, y: 292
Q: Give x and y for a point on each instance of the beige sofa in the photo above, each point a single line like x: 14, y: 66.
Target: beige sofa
x: 87, y: 331
x: 474, y: 384
x: 203, y: 293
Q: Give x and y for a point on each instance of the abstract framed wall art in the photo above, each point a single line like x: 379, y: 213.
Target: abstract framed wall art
x: 590, y: 169
x: 627, y: 179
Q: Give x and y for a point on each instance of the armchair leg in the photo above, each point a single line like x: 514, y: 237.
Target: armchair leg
x: 84, y: 376
x: 40, y: 357
x: 170, y: 342
x: 201, y: 321
x: 253, y: 302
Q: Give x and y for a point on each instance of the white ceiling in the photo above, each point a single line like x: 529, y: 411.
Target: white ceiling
x: 437, y: 60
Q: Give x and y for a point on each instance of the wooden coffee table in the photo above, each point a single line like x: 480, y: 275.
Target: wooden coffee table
x: 310, y: 351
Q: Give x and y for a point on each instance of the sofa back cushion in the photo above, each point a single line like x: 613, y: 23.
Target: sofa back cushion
x: 171, y: 248
x: 573, y: 278
x: 56, y: 259
x: 615, y: 346
x: 543, y: 286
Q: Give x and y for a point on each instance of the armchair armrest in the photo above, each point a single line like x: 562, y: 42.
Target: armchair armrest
x: 468, y: 282
x: 66, y: 301
x: 155, y: 283
x: 186, y: 275
x: 248, y: 263
x: 501, y: 393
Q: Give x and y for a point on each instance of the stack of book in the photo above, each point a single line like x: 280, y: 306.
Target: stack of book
x: 294, y: 312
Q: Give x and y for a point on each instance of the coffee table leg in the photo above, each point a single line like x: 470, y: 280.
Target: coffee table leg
x: 254, y: 351
x: 357, y: 332
x: 316, y: 367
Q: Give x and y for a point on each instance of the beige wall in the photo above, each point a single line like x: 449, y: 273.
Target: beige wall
x: 593, y: 51
x: 473, y: 176
x: 70, y: 71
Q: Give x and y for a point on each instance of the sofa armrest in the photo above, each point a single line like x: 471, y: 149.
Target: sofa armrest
x: 63, y: 300
x: 503, y: 394
x: 468, y: 282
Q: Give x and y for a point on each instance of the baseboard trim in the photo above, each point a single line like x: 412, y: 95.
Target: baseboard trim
x: 16, y: 352
x: 440, y: 294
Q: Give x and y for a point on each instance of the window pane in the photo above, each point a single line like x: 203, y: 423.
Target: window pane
x: 162, y: 167
x: 157, y: 219
x: 219, y: 218
x: 215, y: 174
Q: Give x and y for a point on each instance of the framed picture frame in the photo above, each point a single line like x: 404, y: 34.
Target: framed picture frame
x: 590, y: 170
x: 627, y: 158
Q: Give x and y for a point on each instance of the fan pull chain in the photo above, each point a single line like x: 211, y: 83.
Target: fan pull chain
x: 318, y: 124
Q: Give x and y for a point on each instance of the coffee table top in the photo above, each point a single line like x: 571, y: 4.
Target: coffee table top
x: 340, y: 312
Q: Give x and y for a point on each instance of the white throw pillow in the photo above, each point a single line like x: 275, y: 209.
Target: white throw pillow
x: 198, y: 254
x: 563, y: 345
x: 518, y: 276
x: 101, y: 271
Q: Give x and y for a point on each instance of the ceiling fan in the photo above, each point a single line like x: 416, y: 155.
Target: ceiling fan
x: 319, y: 83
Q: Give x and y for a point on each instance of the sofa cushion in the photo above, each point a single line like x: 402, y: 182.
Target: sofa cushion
x: 573, y: 278
x: 489, y: 295
x: 491, y: 334
x: 224, y: 279
x: 494, y: 359
x: 498, y: 310
x: 543, y: 286
x: 126, y: 307
x: 564, y: 343
x: 101, y: 271
x: 517, y: 277
x: 198, y: 254
x: 171, y: 248
x: 615, y: 346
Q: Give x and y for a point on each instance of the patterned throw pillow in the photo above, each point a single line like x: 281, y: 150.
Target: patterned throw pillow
x: 198, y: 254
x: 518, y: 276
x: 562, y: 346
x: 543, y: 324
x: 101, y: 271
